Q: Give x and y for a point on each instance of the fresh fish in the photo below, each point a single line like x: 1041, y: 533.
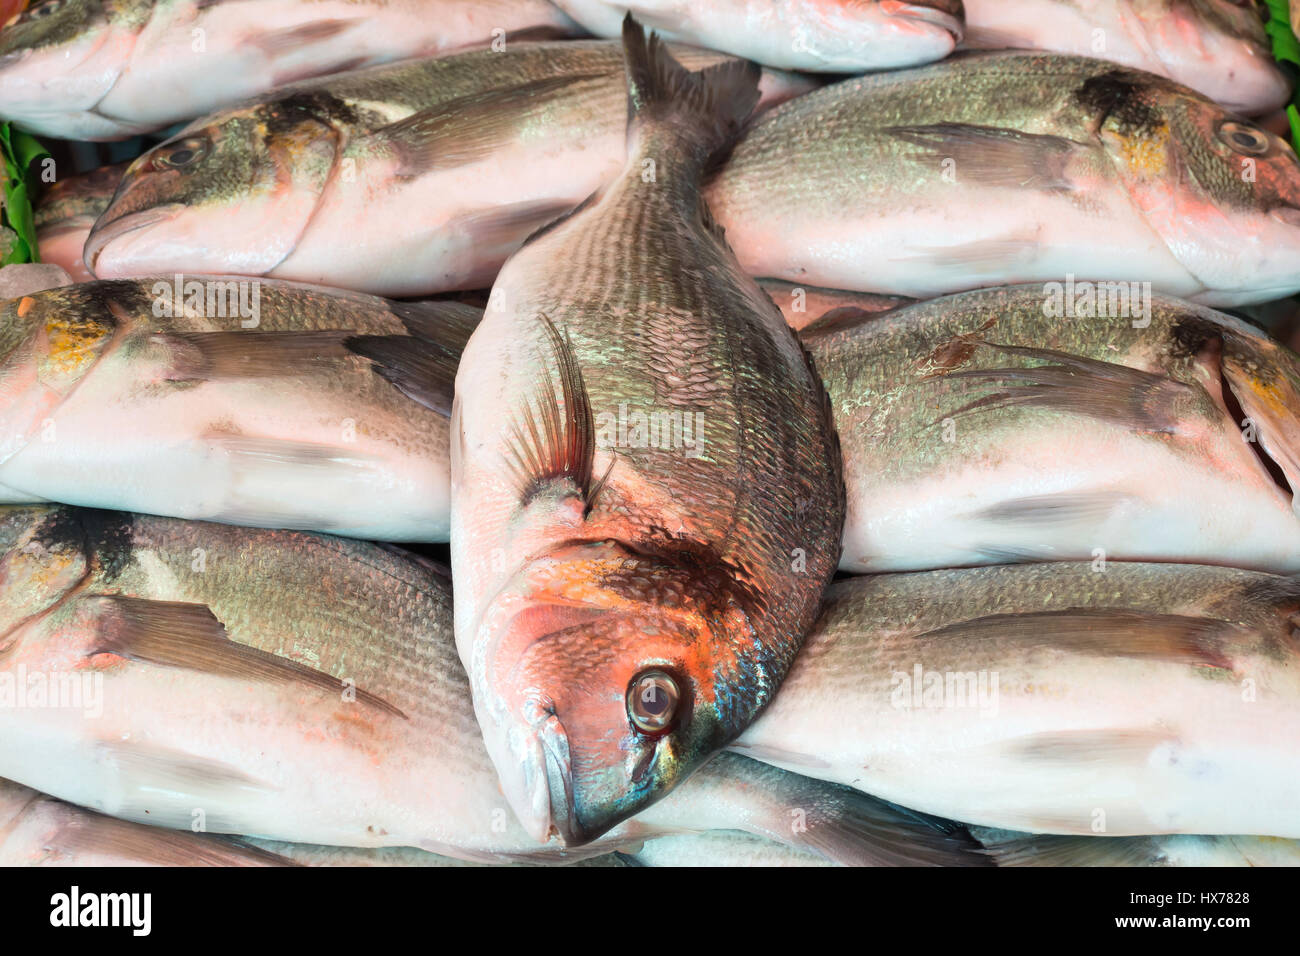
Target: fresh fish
x: 995, y: 168
x: 722, y: 848
x: 803, y: 305
x: 67, y: 211
x: 1216, y: 47
x: 400, y: 180
x: 1072, y: 698
x: 836, y: 36
x: 252, y: 402
x: 1011, y: 848
x: 1035, y: 424
x: 36, y: 830
x: 627, y: 601
x: 109, y: 69
x: 305, y: 688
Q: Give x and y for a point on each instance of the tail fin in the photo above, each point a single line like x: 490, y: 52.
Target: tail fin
x: 711, y: 105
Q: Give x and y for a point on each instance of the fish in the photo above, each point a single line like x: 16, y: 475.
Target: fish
x: 1062, y: 698
x: 804, y: 305
x: 66, y: 213
x: 306, y: 689
x: 252, y: 402
x: 835, y: 36
x: 998, y: 168
x: 1217, y: 47
x: 93, y: 69
x: 401, y: 180
x: 627, y: 602
x: 1076, y: 422
x: 1010, y: 848
x: 38, y: 830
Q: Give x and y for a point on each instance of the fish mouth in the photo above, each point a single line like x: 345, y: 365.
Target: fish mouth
x: 542, y: 753
x: 946, y: 14
x: 106, y: 233
x: 1288, y: 215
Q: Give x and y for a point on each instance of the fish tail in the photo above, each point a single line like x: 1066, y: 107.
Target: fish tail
x: 708, y: 108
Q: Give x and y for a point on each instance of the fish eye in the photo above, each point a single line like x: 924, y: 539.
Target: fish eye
x: 182, y: 154
x: 652, y: 701
x: 1243, y: 138
x: 41, y: 10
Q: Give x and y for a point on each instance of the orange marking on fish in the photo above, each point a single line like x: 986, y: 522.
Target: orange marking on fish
x: 25, y: 305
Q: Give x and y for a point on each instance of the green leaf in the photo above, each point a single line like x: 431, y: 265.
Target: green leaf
x: 18, y: 151
x: 1285, y: 45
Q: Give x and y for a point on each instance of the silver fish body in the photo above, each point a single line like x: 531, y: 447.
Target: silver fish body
x: 399, y: 180
x: 823, y: 35
x: 994, y: 168
x: 1077, y: 423
x: 240, y: 400
x: 1216, y: 47
x: 599, y: 571
x: 1062, y: 698
x: 89, y: 69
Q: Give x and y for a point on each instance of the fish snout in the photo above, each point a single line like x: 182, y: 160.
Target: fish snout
x: 1287, y: 215
x: 105, y: 234
x: 537, y: 775
x: 948, y: 15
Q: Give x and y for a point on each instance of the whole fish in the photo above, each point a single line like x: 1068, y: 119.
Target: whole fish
x: 1075, y: 423
x: 37, y: 830
x: 66, y: 213
x: 627, y: 601
x: 104, y: 69
x: 1216, y: 47
x: 836, y: 36
x: 1011, y: 848
x: 1071, y: 698
x: 398, y: 180
x: 804, y: 305
x: 993, y: 168
x: 306, y: 688
x: 253, y: 402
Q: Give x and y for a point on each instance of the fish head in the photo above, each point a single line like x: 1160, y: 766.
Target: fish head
x: 42, y: 558
x: 603, y: 682
x: 231, y: 194
x: 49, y: 341
x: 60, y: 58
x: 836, y: 35
x: 1219, y: 46
x: 1222, y: 192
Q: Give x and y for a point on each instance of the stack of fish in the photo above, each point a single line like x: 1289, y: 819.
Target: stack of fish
x: 836, y: 448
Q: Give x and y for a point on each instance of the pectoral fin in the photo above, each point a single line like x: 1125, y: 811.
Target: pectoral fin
x: 179, y: 634
x: 422, y: 365
x: 993, y: 156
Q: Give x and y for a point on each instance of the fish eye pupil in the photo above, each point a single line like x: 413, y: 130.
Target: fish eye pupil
x: 1244, y: 139
x: 182, y: 156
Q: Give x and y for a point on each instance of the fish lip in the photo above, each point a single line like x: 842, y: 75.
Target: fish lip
x: 548, y: 777
x: 934, y: 16
x: 104, y: 233
x: 1289, y: 215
